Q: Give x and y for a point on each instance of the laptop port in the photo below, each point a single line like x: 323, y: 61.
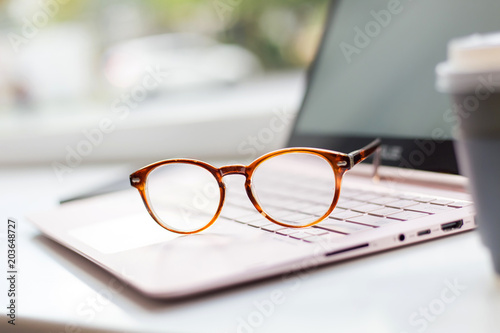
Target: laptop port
x: 452, y: 225
x: 424, y: 232
x: 401, y: 237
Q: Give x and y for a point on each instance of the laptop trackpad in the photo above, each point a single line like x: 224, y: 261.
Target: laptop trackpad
x: 162, y: 263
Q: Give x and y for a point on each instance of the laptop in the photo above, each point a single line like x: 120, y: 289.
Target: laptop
x: 373, y: 77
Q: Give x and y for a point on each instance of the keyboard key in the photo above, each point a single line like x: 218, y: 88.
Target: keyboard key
x: 283, y: 214
x: 342, y: 226
x: 309, y: 231
x: 259, y: 223
x: 297, y: 205
x: 295, y: 218
x: 317, y: 209
x: 424, y: 199
x: 369, y: 196
x: 407, y: 215
x: 407, y: 196
x: 325, y: 238
x: 402, y: 203
x: 249, y: 218
x: 383, y: 200
x: 299, y: 234
x: 349, y: 203
x: 345, y: 214
x: 367, y: 208
x: 315, y: 231
x: 350, y: 193
x: 430, y: 208
x: 272, y: 227
x: 385, y: 211
x: 338, y: 210
x: 374, y: 221
x: 278, y: 201
x: 287, y: 231
x: 442, y: 202
x: 460, y: 204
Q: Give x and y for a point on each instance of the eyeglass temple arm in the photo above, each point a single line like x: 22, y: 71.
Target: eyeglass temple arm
x: 361, y: 154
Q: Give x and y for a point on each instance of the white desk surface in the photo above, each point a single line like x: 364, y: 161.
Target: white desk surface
x: 59, y: 291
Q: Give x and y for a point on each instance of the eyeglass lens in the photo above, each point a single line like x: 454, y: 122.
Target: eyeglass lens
x: 285, y: 184
x: 183, y: 196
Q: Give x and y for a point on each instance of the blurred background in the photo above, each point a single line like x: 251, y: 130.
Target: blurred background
x: 129, y: 80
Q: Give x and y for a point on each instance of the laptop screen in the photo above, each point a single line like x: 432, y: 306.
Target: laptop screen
x: 374, y: 77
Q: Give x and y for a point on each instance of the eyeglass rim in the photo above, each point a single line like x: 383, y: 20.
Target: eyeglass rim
x: 139, y: 179
x: 336, y: 160
x: 339, y: 162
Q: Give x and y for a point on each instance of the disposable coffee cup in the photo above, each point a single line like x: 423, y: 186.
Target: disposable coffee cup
x: 471, y: 76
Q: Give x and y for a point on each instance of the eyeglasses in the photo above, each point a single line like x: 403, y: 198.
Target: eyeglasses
x: 186, y: 196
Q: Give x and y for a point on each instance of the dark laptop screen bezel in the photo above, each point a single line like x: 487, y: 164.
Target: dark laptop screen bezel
x: 437, y: 155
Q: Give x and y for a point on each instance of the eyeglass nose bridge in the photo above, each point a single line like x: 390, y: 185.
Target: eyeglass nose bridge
x: 236, y: 169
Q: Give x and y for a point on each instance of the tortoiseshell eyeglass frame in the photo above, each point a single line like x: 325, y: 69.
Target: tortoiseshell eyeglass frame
x: 340, y: 163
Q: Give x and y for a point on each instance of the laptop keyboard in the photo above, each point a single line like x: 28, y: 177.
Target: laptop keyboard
x: 356, y: 211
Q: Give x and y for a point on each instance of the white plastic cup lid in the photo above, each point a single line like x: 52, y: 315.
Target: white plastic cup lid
x: 470, y: 59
